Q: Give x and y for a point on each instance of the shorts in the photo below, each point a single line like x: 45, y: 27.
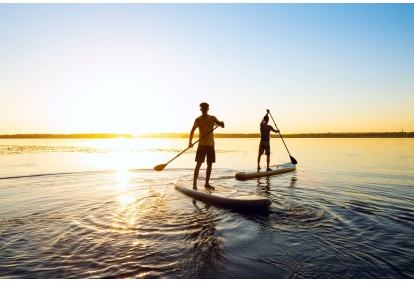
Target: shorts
x: 264, y: 147
x: 204, y: 150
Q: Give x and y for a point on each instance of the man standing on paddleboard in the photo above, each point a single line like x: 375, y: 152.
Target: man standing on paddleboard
x: 205, y: 124
x: 264, y: 145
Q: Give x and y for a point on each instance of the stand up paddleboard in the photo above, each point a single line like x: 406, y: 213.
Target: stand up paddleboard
x: 276, y: 169
x: 222, y: 196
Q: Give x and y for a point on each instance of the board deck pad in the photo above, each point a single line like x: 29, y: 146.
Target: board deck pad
x: 276, y: 169
x: 222, y: 195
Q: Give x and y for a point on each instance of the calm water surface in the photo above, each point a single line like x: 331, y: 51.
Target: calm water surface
x: 96, y: 209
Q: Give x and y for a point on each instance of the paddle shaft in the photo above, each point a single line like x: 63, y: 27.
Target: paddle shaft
x: 192, y: 145
x: 291, y: 158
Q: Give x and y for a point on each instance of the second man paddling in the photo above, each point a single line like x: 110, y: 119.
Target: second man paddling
x: 205, y: 123
x: 264, y: 146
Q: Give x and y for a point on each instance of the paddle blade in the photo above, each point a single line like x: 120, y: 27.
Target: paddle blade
x: 160, y: 167
x: 293, y: 160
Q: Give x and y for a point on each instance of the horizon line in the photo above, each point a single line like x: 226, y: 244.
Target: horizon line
x: 186, y: 135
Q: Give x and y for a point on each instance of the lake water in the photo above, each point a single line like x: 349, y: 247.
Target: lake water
x: 96, y: 209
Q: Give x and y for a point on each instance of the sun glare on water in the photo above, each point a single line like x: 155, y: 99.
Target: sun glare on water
x: 125, y: 215
x: 129, y: 153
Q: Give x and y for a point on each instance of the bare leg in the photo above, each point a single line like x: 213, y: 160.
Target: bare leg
x: 258, y: 159
x: 196, y: 170
x: 268, y: 162
x: 208, y: 173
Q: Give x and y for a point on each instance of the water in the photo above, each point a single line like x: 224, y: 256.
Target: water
x: 96, y: 209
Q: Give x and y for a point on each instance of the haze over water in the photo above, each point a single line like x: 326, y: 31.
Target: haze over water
x: 97, y: 209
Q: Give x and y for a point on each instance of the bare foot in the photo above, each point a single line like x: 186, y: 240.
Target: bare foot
x: 208, y: 186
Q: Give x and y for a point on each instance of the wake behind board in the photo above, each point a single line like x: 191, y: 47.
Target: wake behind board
x: 222, y: 196
x: 277, y: 169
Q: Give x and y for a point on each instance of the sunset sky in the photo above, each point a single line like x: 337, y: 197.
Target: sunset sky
x: 145, y: 68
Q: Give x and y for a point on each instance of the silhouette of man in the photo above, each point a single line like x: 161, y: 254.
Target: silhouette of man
x: 264, y: 146
x: 205, y: 124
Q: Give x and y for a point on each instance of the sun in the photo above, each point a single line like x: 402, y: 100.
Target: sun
x: 122, y: 105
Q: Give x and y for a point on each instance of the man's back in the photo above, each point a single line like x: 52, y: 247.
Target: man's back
x: 265, y: 132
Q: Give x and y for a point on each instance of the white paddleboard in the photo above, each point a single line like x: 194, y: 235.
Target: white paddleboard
x: 222, y: 196
x: 276, y: 169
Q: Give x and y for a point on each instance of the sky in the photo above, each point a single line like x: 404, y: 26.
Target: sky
x: 144, y: 68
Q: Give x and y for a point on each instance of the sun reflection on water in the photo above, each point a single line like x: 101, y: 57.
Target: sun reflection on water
x: 124, y: 201
x: 125, y: 215
x: 123, y: 179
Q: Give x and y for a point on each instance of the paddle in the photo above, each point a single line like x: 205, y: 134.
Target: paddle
x: 293, y: 160
x: 162, y: 166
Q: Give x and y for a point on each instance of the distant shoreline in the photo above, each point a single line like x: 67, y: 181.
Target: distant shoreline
x: 65, y: 136
x: 217, y: 135
x: 311, y: 135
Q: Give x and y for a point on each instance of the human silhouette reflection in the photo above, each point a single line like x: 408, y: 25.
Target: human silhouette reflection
x: 263, y: 186
x: 292, y: 184
x: 205, y: 259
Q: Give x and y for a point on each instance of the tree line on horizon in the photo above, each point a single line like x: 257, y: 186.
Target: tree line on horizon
x: 217, y: 135
x: 309, y: 135
x: 65, y: 136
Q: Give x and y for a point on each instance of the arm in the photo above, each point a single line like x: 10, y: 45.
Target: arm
x: 219, y: 123
x: 190, y: 142
x: 276, y: 131
x: 263, y: 120
x: 271, y: 128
